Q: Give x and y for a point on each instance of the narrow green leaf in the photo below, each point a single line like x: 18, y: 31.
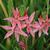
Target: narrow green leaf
x: 29, y: 42
x: 10, y: 6
x: 22, y: 9
x: 31, y: 7
x: 40, y: 43
x: 4, y: 48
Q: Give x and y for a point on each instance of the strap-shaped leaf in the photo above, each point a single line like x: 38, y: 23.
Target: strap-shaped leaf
x: 10, y: 6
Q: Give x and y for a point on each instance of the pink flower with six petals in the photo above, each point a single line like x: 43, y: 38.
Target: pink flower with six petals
x: 16, y: 27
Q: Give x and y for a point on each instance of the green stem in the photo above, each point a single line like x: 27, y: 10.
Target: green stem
x: 33, y: 40
x: 4, y: 9
x: 47, y: 6
x: 26, y: 41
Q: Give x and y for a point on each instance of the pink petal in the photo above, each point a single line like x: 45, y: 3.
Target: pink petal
x: 49, y: 20
x: 49, y: 25
x: 22, y: 45
x: 9, y: 19
x: 27, y: 21
x: 23, y: 18
x: 22, y: 33
x: 15, y: 13
x: 12, y: 20
x: 46, y: 17
x: 32, y: 32
x: 35, y: 30
x: 42, y: 26
x: 8, y: 34
x: 6, y: 27
x: 13, y: 28
x: 46, y: 28
x: 45, y: 32
x: 17, y: 36
x: 28, y: 29
x: 19, y: 25
x: 23, y: 25
x: 41, y: 20
x: 31, y: 17
x: 26, y: 12
x: 14, y: 23
x: 18, y: 13
x: 36, y: 25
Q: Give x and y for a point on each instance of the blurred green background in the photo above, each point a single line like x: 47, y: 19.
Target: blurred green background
x: 41, y: 7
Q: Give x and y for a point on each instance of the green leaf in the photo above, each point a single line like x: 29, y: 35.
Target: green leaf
x: 40, y: 43
x: 10, y: 6
x: 22, y: 9
x: 3, y: 22
x: 29, y: 43
x: 25, y: 2
x: 4, y: 48
x: 1, y: 13
x: 31, y: 7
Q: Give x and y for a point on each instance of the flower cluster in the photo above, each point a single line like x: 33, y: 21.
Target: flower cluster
x: 18, y: 23
x: 22, y: 45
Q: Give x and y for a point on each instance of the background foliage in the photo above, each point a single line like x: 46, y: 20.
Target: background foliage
x: 40, y: 7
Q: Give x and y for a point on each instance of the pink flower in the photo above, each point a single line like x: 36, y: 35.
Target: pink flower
x: 29, y: 23
x: 22, y: 45
x: 47, y: 23
x: 38, y: 27
x: 16, y: 27
x: 42, y: 25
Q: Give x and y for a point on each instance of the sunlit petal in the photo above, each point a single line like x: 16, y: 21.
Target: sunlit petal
x: 8, y: 34
x: 6, y: 27
x: 23, y: 33
x: 31, y: 17
x: 17, y: 36
x: 10, y: 19
x: 45, y: 32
